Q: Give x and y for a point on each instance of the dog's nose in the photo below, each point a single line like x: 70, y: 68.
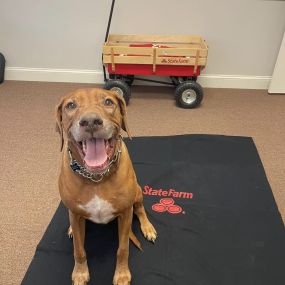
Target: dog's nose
x: 91, y: 121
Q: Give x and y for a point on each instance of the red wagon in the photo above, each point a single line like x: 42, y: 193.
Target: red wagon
x: 179, y: 57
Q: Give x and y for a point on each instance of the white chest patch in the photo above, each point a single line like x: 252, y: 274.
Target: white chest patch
x: 100, y: 211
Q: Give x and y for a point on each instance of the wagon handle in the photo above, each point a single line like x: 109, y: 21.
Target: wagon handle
x: 110, y: 20
x: 107, y: 35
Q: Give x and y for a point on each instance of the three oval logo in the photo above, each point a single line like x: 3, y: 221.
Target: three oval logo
x: 166, y: 205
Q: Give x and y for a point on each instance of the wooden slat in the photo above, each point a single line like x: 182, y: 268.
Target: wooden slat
x: 148, y: 51
x: 180, y: 52
x: 112, y: 59
x: 196, y: 61
x: 154, y: 60
x: 149, y: 60
x: 169, y: 45
x: 154, y: 39
x: 203, y: 44
x: 127, y: 50
x: 129, y: 59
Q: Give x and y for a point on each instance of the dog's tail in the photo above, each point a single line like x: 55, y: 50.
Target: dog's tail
x: 135, y: 241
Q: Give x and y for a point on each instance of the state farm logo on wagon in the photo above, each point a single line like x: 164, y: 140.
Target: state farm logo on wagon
x: 167, y: 204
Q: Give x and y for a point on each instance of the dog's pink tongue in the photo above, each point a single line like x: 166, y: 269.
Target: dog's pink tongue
x: 95, y: 152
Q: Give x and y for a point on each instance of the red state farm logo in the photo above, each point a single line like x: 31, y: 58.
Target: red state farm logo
x: 167, y: 205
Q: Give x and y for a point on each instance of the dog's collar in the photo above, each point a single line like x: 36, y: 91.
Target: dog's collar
x: 94, y: 177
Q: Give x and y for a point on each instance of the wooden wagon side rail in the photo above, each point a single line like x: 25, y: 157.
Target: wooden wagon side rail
x: 131, y: 55
x: 154, y: 55
x: 155, y: 50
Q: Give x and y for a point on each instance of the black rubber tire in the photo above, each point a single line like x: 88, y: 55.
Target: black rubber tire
x: 121, y: 87
x: 2, y: 67
x: 129, y: 79
x: 195, y: 90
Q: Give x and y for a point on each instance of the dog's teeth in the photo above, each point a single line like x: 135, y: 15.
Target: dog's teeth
x: 84, y: 145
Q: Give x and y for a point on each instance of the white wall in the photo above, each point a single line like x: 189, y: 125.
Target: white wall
x: 60, y: 40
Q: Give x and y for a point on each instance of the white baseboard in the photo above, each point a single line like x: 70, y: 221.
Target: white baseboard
x: 235, y: 81
x: 96, y: 77
x: 54, y: 75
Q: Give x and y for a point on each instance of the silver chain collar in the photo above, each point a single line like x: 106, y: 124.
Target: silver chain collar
x: 94, y: 177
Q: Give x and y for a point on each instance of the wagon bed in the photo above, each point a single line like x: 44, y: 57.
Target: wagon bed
x: 155, y: 55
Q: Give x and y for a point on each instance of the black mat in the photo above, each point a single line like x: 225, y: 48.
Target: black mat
x: 223, y: 229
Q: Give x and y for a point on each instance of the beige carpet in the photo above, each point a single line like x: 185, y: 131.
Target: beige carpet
x: 30, y: 149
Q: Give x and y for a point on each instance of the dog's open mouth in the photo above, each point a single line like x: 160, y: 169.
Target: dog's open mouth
x: 96, y: 153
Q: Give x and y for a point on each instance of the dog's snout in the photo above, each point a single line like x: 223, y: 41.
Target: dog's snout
x: 91, y: 121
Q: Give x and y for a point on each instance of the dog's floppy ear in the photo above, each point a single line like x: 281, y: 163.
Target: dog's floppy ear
x: 58, y: 126
x: 123, y: 110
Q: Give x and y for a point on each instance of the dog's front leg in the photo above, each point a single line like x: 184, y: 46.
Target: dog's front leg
x: 122, y: 273
x: 80, y: 274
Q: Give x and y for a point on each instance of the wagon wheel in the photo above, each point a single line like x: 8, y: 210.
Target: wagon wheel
x: 119, y: 86
x: 129, y: 79
x: 188, y: 94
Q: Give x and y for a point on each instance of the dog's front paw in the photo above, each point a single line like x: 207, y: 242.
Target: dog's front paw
x: 80, y: 274
x: 149, y: 231
x: 69, y: 232
x: 122, y: 277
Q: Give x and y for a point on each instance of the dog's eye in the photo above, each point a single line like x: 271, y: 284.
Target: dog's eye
x: 71, y: 105
x: 109, y: 102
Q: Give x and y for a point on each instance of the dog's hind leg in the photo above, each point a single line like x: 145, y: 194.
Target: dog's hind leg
x: 147, y: 228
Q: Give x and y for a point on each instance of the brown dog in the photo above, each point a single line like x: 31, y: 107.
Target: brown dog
x: 97, y: 180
